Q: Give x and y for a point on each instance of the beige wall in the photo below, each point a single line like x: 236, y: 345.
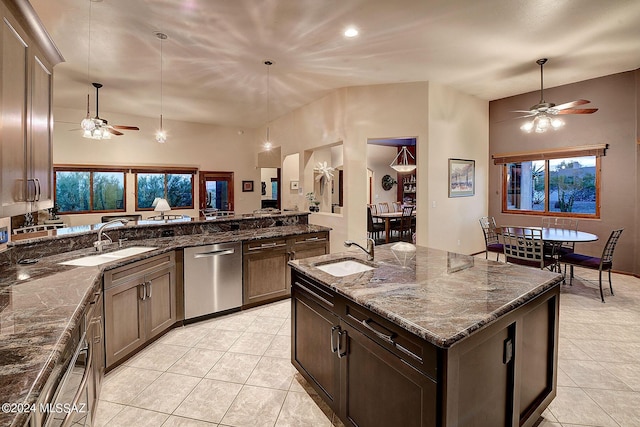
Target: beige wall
x: 353, y: 115
x: 615, y: 123
x: 208, y: 148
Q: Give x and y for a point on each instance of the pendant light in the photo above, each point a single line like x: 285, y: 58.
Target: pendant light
x: 161, y: 134
x: 401, y: 162
x: 267, y: 144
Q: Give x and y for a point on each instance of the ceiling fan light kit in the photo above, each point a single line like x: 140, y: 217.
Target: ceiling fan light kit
x: 544, y: 113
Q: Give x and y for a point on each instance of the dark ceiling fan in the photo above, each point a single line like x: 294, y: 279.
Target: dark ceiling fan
x: 97, y: 127
x: 551, y: 108
x: 542, y: 111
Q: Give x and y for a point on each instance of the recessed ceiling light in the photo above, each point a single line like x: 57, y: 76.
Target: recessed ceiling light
x: 351, y: 32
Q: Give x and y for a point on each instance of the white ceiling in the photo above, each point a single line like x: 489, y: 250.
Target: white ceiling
x: 214, y: 68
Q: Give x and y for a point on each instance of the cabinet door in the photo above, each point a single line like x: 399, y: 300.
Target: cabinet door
x: 311, y: 351
x: 124, y: 319
x: 13, y: 109
x: 265, y: 271
x: 40, y: 183
x: 98, y: 345
x: 160, y: 301
x: 379, y: 388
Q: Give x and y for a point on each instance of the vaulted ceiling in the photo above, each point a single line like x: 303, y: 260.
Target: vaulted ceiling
x: 213, y: 59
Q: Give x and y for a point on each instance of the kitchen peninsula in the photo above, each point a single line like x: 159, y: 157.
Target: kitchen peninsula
x: 451, y: 340
x: 42, y: 304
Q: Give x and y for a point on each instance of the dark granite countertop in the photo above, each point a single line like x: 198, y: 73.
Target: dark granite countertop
x: 441, y: 297
x: 41, y: 304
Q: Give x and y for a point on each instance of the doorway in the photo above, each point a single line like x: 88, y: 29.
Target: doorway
x: 216, y: 191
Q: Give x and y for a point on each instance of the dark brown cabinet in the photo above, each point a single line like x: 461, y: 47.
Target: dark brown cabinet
x: 139, y: 303
x: 373, y: 373
x: 265, y: 270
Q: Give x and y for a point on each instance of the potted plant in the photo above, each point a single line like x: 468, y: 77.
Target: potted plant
x: 314, y: 204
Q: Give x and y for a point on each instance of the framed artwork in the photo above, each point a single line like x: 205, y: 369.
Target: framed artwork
x: 294, y: 185
x: 247, y: 186
x: 462, y: 177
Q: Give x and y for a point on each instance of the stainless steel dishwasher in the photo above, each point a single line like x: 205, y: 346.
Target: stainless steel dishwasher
x: 212, y: 279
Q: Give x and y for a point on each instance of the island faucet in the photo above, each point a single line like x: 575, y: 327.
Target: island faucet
x: 370, y: 245
x: 98, y: 244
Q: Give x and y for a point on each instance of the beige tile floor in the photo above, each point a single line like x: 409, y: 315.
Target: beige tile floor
x: 235, y: 370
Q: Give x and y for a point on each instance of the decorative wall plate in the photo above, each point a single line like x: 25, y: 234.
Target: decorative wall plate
x: 387, y: 182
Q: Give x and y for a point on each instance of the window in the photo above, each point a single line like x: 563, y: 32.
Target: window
x: 86, y: 190
x: 176, y: 187
x: 553, y: 182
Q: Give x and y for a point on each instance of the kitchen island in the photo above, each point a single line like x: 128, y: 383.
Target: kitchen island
x: 451, y: 340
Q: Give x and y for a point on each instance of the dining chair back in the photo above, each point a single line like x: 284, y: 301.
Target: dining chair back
x: 373, y: 228
x: 566, y: 223
x: 404, y: 224
x: 397, y: 206
x: 383, y: 207
x: 525, y: 246
x: 374, y: 209
x: 38, y: 227
x: 604, y: 263
x: 491, y: 240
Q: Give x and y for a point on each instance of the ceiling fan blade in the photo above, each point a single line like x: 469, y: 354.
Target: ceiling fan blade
x: 121, y: 127
x: 523, y: 111
x: 579, y: 111
x: 113, y: 131
x: 571, y: 104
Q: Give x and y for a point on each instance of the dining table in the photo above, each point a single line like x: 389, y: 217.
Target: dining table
x: 387, y: 217
x: 558, y: 235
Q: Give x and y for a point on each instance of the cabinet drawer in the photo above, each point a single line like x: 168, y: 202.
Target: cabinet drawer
x: 322, y: 236
x: 258, y: 246
x: 410, y: 348
x: 122, y: 274
x: 319, y: 294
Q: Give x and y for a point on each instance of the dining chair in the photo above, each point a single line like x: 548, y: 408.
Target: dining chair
x: 491, y: 240
x: 373, y: 228
x: 405, y: 223
x: 604, y: 263
x: 525, y: 247
x: 383, y: 207
x: 397, y: 206
x: 565, y: 223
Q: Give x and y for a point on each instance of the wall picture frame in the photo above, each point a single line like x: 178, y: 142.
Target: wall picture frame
x: 294, y: 185
x: 462, y: 177
x: 247, y: 186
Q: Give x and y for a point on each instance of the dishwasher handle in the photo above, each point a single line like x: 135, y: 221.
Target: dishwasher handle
x: 215, y: 253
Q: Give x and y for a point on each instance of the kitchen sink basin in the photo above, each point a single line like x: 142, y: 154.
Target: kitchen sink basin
x: 344, y: 268
x: 92, y: 260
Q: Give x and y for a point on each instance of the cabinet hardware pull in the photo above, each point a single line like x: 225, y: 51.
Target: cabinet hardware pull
x: 96, y: 297
x: 150, y: 288
x: 144, y: 291
x: 342, y: 352
x: 83, y: 383
x: 388, y: 338
x: 292, y: 255
x: 314, y: 239
x: 315, y: 295
x: 334, y: 347
x: 38, y: 192
x: 267, y: 245
x: 214, y: 253
x: 28, y: 195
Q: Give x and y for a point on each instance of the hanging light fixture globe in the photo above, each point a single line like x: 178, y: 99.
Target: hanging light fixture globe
x: 401, y: 162
x: 161, y: 134
x: 268, y: 144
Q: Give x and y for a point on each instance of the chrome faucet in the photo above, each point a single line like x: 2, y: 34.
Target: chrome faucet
x: 98, y: 244
x: 370, y: 245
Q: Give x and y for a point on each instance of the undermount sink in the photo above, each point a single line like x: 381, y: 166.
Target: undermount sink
x: 344, y: 268
x: 93, y: 260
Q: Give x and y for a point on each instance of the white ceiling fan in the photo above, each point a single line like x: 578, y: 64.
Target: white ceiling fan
x: 544, y: 112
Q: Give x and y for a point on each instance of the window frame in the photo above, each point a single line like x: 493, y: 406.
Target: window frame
x: 598, y: 151
x: 165, y: 171
x: 91, y: 170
